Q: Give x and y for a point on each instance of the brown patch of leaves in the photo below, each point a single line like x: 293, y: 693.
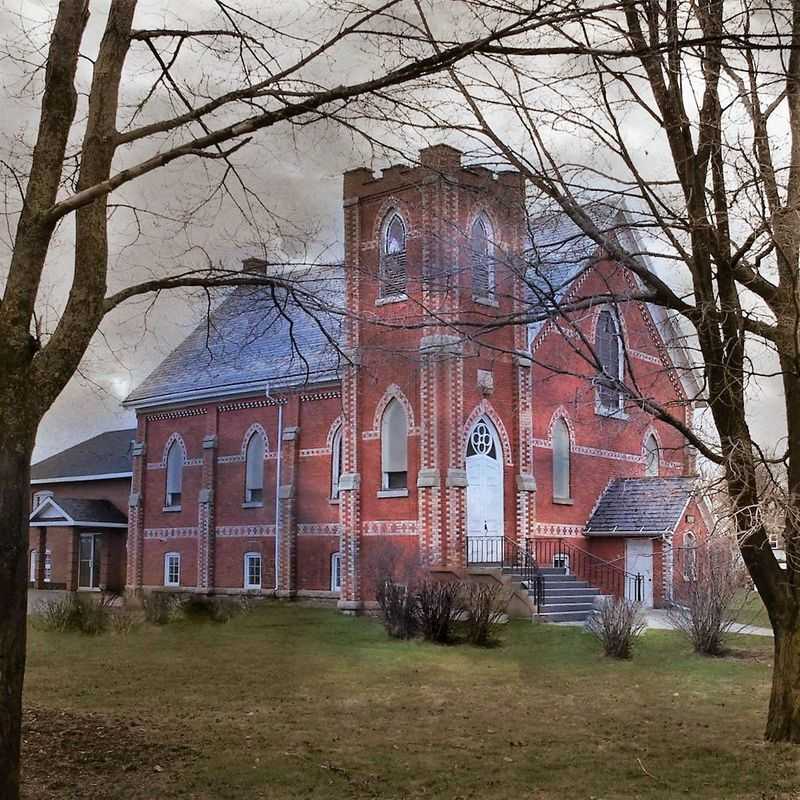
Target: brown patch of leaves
x: 69, y: 755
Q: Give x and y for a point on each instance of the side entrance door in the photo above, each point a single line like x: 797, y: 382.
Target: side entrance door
x: 639, y: 560
x: 89, y: 561
x: 484, y: 496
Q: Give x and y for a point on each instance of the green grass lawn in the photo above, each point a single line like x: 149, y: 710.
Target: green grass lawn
x: 749, y: 609
x: 297, y: 702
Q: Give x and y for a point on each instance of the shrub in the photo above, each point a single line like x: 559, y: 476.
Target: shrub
x: 617, y: 624
x: 483, y: 605
x: 216, y: 609
x: 123, y: 621
x: 437, y: 608
x: 398, y: 608
x: 160, y: 608
x: 75, y: 613
x: 704, y: 614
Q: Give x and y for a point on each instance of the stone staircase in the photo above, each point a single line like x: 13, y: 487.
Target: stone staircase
x: 566, y: 599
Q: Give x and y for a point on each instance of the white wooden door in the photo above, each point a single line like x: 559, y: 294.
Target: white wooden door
x: 639, y: 560
x: 484, y: 496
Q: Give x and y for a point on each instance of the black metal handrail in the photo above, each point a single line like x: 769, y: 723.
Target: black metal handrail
x: 504, y: 553
x: 607, y: 577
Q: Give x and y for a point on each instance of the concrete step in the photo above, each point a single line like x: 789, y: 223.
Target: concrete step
x: 588, y: 591
x: 557, y: 608
x: 563, y: 616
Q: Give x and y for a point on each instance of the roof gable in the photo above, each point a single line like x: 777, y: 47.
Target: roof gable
x: 644, y: 506
x: 77, y: 512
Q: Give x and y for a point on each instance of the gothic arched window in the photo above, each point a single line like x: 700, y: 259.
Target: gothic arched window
x: 174, y: 475
x: 336, y: 462
x: 482, y: 258
x: 608, y: 350
x: 254, y: 469
x: 561, y: 461
x: 689, y: 556
x: 652, y: 458
x: 393, y: 266
x: 394, y: 446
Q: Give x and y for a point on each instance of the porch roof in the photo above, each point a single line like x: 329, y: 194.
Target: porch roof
x: 77, y: 512
x: 640, y: 507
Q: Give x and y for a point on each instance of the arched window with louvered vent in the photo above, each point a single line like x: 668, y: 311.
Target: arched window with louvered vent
x: 608, y: 349
x: 174, y: 475
x: 394, y: 261
x: 481, y: 246
x: 254, y: 469
x: 561, y: 461
x: 652, y: 458
x: 394, y: 447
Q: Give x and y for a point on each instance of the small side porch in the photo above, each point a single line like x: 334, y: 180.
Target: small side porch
x: 77, y: 544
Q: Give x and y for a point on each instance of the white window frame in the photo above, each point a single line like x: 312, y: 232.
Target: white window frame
x: 167, y: 558
x: 560, y: 421
x: 48, y: 565
x: 656, y: 454
x: 336, y: 572
x: 249, y: 498
x: 253, y: 587
x: 336, y: 462
x: 386, y: 489
x: 170, y: 497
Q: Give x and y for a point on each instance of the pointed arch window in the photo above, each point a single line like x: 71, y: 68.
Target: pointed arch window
x: 394, y: 262
x: 394, y: 447
x: 689, y: 556
x: 608, y: 350
x: 174, y: 475
x: 336, y: 462
x: 483, y: 275
x: 652, y: 457
x: 254, y: 469
x: 561, y: 461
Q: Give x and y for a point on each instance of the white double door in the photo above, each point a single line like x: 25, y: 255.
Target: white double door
x: 484, y: 497
x: 639, y: 561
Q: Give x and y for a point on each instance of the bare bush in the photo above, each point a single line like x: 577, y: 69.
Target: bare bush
x: 398, y: 608
x: 703, y: 612
x: 617, y: 624
x: 161, y: 608
x: 74, y: 613
x: 437, y: 609
x: 124, y: 620
x: 483, y: 605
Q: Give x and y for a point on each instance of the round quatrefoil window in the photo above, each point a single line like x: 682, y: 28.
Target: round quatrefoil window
x: 481, y: 442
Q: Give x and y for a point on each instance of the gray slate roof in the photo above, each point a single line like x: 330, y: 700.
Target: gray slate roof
x: 640, y: 505
x: 559, y: 253
x: 83, y: 510
x: 248, y: 345
x: 108, y: 453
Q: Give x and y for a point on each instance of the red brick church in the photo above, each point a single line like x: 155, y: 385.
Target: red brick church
x: 289, y: 449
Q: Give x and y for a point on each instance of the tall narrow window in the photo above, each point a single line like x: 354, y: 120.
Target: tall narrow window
x: 174, y: 475
x: 393, y: 265
x: 394, y: 447
x: 252, y: 571
x: 336, y: 462
x: 689, y: 556
x: 48, y: 566
x: 652, y: 458
x: 254, y: 469
x: 561, y: 461
x: 172, y: 569
x: 609, y: 355
x: 336, y: 572
x: 482, y: 260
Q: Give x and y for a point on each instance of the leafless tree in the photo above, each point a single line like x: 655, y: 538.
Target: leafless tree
x: 142, y: 103
x: 690, y: 112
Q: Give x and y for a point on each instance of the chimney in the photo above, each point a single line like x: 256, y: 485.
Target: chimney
x: 440, y: 157
x: 255, y: 265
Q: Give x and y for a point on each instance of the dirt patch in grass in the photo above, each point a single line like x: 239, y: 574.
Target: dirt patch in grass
x: 69, y: 755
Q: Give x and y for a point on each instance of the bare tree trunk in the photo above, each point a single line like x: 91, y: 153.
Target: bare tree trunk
x: 17, y: 434
x: 783, y: 722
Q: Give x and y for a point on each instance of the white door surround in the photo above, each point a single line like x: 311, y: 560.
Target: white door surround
x: 484, y: 463
x: 639, y: 560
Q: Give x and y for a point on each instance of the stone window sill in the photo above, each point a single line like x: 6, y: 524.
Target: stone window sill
x: 334, y: 501
x: 393, y: 493
x: 563, y: 501
x: 253, y: 504
x: 392, y: 298
x: 171, y: 509
x: 485, y: 301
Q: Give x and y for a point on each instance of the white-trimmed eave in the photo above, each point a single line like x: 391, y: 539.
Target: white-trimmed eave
x: 228, y: 391
x: 106, y: 476
x: 71, y: 523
